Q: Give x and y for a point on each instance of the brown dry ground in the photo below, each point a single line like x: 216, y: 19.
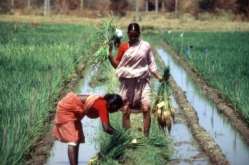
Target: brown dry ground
x: 163, y: 21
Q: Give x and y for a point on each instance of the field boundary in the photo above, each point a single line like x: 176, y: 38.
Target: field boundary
x: 224, y: 106
x: 159, y: 22
x: 40, y: 150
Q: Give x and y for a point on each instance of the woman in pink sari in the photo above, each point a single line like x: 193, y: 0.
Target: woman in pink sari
x: 135, y: 63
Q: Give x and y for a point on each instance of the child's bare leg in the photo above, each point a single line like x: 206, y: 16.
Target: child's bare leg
x: 73, y: 151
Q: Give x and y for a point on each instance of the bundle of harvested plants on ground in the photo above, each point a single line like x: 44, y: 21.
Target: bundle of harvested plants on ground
x: 114, y: 148
x: 163, y: 109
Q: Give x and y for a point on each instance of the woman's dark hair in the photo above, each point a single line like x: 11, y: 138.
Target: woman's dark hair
x: 134, y: 27
x: 114, y: 102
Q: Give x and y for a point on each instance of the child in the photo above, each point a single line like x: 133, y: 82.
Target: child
x: 72, y: 108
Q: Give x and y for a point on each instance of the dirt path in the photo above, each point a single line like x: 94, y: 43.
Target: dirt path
x: 235, y: 118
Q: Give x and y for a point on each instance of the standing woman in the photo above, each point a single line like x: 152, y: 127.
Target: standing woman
x: 135, y: 63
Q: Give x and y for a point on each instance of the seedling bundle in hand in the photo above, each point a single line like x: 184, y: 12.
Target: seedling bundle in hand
x: 105, y: 35
x: 163, y: 108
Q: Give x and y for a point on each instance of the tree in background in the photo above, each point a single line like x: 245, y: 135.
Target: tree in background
x: 118, y: 7
x: 207, y: 5
x: 146, y: 5
x: 65, y: 5
x: 81, y: 4
x: 243, y: 7
x: 29, y: 4
x: 12, y: 4
x: 176, y: 8
x: 170, y: 5
x: 46, y: 7
x: 5, y: 6
x: 156, y: 5
x: 226, y: 5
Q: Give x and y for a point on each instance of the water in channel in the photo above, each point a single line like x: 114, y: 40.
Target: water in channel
x: 58, y: 154
x: 229, y: 139
x: 187, y: 150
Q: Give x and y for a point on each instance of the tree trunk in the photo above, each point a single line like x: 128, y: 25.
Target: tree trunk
x: 163, y: 5
x: 146, y: 5
x: 29, y: 4
x: 137, y: 9
x: 46, y: 7
x: 176, y: 8
x: 156, y: 6
x: 12, y: 4
x: 81, y: 4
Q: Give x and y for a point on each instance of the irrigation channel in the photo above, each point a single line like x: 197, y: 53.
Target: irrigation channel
x: 229, y: 140
x: 187, y: 150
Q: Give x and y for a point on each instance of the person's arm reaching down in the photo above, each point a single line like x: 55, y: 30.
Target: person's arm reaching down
x: 104, y: 116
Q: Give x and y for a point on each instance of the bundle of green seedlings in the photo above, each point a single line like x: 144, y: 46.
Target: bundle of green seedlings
x: 114, y: 148
x: 165, y: 113
x: 105, y: 35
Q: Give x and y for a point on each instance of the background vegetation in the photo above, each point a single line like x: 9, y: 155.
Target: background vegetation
x: 120, y: 7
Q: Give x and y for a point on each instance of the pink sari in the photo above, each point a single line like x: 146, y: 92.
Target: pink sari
x: 134, y: 72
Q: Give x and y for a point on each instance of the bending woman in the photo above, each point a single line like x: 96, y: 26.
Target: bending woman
x: 72, y: 108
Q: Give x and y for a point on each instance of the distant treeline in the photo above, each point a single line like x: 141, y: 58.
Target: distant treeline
x: 120, y: 7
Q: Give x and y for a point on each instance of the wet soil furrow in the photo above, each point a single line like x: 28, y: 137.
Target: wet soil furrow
x: 206, y: 142
x: 187, y: 149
